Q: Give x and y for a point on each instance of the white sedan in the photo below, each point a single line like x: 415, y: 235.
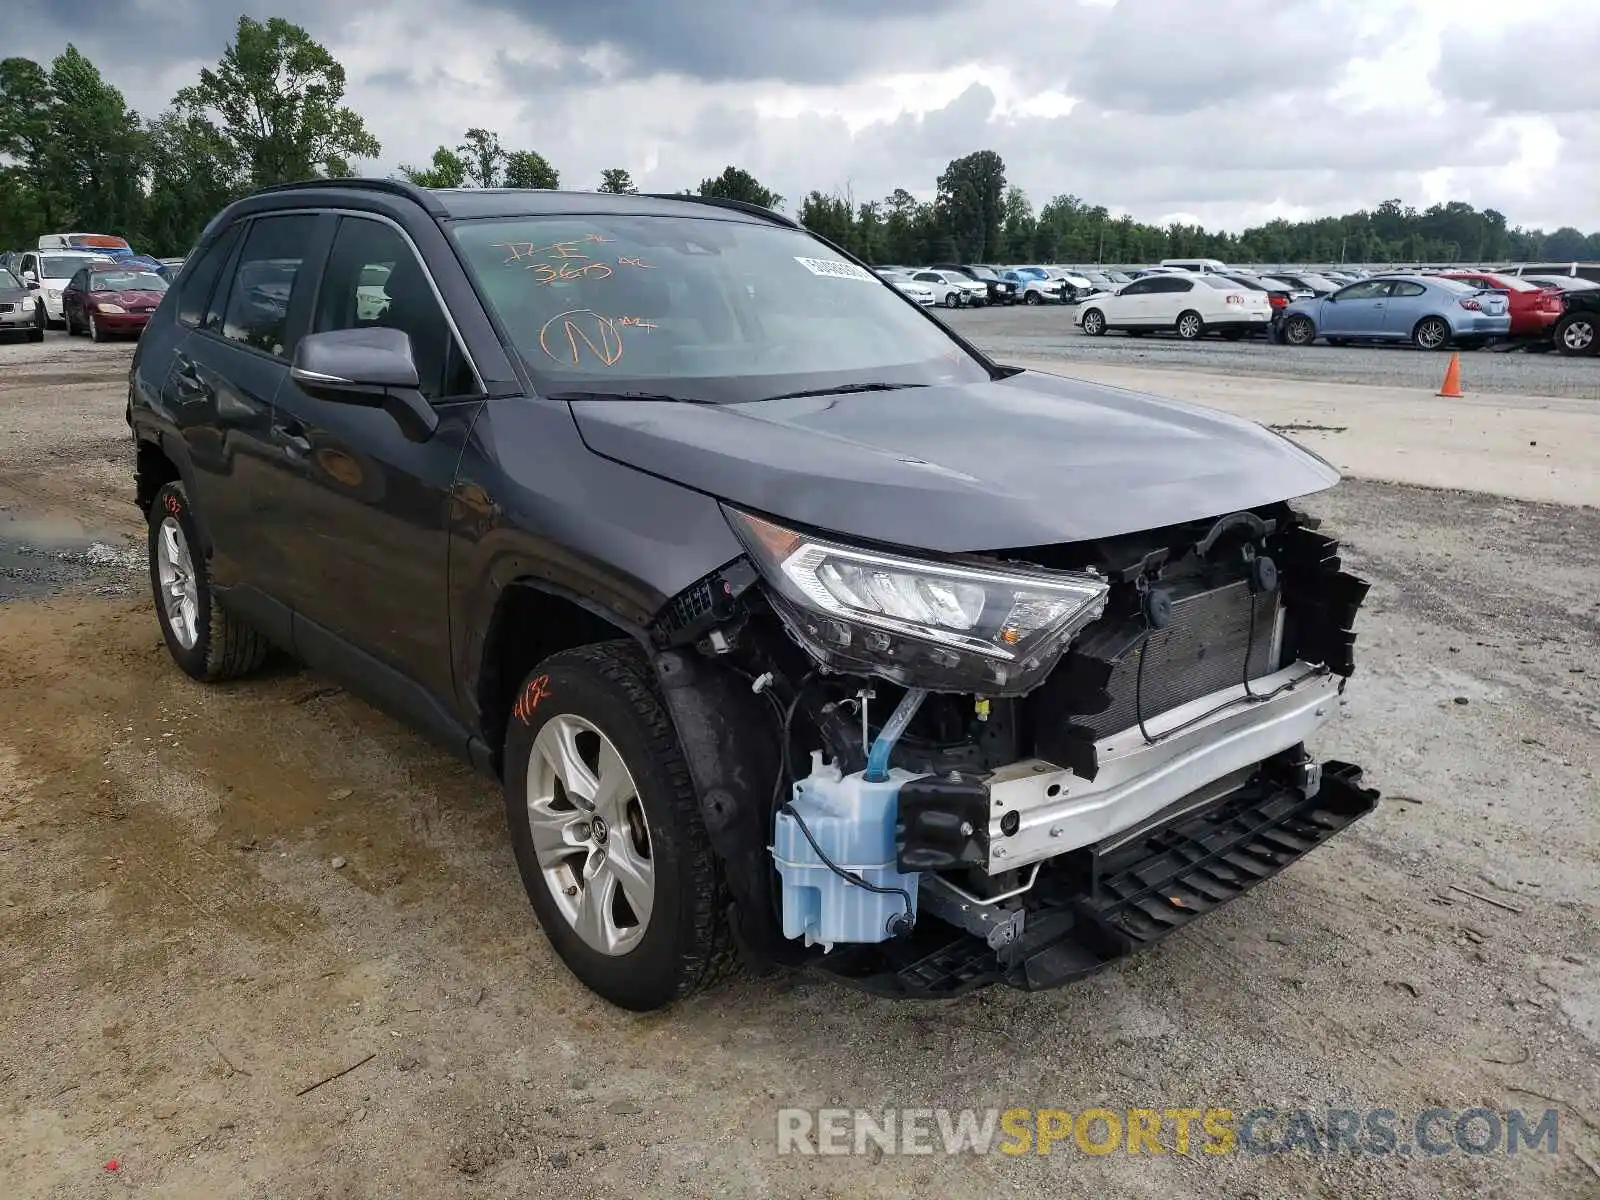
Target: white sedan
x: 908, y: 287
x: 1189, y: 305
x: 952, y: 289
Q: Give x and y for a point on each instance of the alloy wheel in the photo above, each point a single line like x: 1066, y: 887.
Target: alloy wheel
x: 180, y: 594
x: 590, y: 834
x: 1431, y: 334
x: 1578, y: 337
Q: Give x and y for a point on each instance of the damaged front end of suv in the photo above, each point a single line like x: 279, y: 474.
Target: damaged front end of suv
x: 1012, y: 767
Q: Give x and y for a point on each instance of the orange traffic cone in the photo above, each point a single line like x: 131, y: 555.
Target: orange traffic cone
x: 1451, y: 387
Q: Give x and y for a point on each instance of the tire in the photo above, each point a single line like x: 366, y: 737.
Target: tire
x: 1299, y: 331
x: 1190, y: 326
x: 1577, y: 335
x: 96, y: 334
x: 580, y: 702
x: 36, y: 334
x: 952, y: 300
x: 1033, y: 298
x: 205, y: 640
x: 1431, y: 333
x: 1094, y: 323
x: 72, y: 330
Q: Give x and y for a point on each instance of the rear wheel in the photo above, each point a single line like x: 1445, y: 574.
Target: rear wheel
x: 1299, y: 331
x: 607, y: 830
x: 1431, y: 333
x: 1190, y: 325
x: 1576, y: 335
x: 1094, y: 322
x: 206, y: 640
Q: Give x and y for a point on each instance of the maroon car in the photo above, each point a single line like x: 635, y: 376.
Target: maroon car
x: 104, y: 300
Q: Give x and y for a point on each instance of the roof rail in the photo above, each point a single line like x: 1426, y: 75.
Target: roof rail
x: 393, y: 187
x: 744, y: 206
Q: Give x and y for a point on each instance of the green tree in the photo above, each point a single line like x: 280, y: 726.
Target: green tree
x: 735, y: 183
x: 971, y: 204
x: 483, y: 158
x: 96, y: 152
x: 276, y: 95
x: 530, y: 169
x: 617, y: 181
x: 831, y: 217
x: 26, y: 118
x: 194, y: 173
x: 1018, y: 228
x: 446, y: 170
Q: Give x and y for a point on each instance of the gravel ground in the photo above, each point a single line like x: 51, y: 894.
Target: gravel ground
x: 213, y: 898
x: 1048, y: 330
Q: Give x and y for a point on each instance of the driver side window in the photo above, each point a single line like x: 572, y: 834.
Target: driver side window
x: 1371, y: 289
x: 373, y: 279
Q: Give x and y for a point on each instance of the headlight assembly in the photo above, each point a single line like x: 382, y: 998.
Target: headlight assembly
x: 949, y: 626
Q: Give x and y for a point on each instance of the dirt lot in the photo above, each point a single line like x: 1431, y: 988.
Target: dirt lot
x: 211, y: 899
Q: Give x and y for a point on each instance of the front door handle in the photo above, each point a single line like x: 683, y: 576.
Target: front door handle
x: 292, y: 435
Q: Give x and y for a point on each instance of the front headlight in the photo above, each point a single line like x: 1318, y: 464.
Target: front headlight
x: 107, y: 306
x: 992, y: 630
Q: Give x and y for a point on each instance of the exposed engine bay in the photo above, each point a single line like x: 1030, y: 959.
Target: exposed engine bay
x: 1017, y: 766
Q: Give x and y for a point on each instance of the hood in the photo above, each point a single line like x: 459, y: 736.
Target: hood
x: 1030, y: 460
x: 140, y: 298
x: 11, y: 295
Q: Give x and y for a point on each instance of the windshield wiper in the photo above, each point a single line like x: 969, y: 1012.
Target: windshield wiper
x: 661, y: 396
x: 842, y: 389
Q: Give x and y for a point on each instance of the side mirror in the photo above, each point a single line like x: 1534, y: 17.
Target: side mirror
x: 368, y: 367
x: 31, y: 277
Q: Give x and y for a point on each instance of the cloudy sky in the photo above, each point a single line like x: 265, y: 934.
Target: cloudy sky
x: 1226, y: 112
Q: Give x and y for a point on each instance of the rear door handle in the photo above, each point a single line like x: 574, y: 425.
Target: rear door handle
x: 189, y: 382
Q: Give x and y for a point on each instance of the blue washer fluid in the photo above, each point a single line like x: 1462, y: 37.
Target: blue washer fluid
x: 853, y: 821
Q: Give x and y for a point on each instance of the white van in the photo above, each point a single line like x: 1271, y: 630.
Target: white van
x: 1200, y: 266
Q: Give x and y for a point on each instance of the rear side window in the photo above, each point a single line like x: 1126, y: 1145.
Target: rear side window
x: 373, y: 280
x: 200, y: 277
x: 269, y: 262
x: 1407, y: 288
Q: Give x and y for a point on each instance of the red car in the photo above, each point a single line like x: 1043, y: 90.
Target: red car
x: 1534, y: 309
x: 106, y: 299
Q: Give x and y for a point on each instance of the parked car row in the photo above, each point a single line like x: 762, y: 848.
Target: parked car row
x: 75, y: 269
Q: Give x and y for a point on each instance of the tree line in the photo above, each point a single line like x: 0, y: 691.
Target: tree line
x: 271, y: 110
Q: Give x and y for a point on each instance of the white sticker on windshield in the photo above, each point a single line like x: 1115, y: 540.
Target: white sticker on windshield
x: 833, y: 268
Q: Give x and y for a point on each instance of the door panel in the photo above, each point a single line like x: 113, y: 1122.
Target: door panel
x: 1356, y: 311
x: 361, y: 511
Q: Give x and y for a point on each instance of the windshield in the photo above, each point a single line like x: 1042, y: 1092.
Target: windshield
x: 126, y: 281
x: 52, y: 267
x: 8, y: 280
x: 1510, y: 283
x: 702, y: 308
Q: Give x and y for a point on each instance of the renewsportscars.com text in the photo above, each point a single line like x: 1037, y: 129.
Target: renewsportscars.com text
x: 1192, y: 1131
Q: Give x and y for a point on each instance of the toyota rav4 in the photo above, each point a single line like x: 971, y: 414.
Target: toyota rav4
x: 796, y: 631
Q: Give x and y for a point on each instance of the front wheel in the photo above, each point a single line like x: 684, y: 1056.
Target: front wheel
x: 1035, y: 298
x: 1094, y: 322
x: 1190, y: 326
x: 952, y: 300
x: 1576, y: 335
x: 1431, y: 333
x: 96, y: 333
x: 205, y: 640
x: 1299, y: 331
x: 607, y: 830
